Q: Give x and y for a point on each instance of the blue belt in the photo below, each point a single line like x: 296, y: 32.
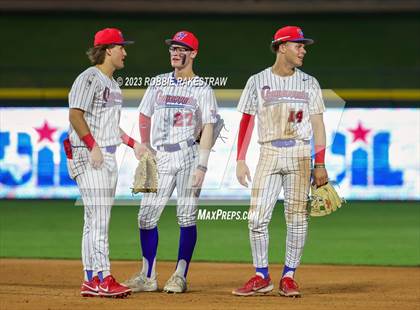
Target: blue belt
x: 111, y: 149
x: 288, y: 142
x: 176, y: 146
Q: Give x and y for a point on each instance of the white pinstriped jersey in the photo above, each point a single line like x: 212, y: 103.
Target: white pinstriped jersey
x: 179, y: 108
x: 283, y: 104
x: 101, y: 99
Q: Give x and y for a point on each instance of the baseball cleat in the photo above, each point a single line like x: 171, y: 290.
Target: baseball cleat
x: 111, y: 288
x: 90, y: 288
x: 175, y: 284
x: 289, y: 288
x: 255, y: 285
x: 141, y: 283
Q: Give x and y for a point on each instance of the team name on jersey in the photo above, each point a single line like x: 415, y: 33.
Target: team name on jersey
x: 279, y: 96
x: 111, y: 98
x: 169, y: 100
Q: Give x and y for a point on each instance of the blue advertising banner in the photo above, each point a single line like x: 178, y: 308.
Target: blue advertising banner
x: 371, y: 154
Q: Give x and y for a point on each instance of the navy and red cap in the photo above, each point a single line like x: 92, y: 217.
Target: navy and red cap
x: 110, y: 36
x: 290, y: 34
x: 184, y: 38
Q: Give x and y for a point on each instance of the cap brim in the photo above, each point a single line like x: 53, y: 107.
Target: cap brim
x: 126, y: 43
x: 305, y: 41
x: 172, y: 42
x: 120, y: 43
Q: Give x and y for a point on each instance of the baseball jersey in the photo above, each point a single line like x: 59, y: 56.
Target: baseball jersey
x: 101, y: 99
x: 282, y: 104
x: 179, y: 108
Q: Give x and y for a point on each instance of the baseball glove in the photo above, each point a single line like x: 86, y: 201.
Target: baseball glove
x: 324, y: 200
x: 146, y: 178
x: 217, y: 129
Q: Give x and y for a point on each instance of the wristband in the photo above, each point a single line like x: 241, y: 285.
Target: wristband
x: 203, y: 158
x: 319, y: 166
x: 319, y: 154
x: 127, y: 140
x: 202, y: 168
x: 89, y: 141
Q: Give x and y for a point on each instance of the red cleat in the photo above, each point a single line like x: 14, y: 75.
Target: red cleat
x: 90, y: 288
x: 289, y: 288
x: 255, y: 285
x: 111, y: 288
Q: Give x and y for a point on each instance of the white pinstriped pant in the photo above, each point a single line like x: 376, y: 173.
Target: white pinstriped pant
x: 175, y: 169
x: 97, y: 188
x: 280, y: 167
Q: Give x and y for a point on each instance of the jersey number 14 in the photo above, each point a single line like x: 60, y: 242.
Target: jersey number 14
x: 295, y: 116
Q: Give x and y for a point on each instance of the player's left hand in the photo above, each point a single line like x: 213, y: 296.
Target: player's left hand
x: 198, y: 178
x: 320, y: 176
x: 242, y: 173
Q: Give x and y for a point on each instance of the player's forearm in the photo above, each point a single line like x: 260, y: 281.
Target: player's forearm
x: 126, y: 139
x: 205, y: 144
x: 246, y: 127
x: 318, y: 128
x: 79, y: 124
x: 145, y: 124
x: 206, y: 137
x: 319, y: 134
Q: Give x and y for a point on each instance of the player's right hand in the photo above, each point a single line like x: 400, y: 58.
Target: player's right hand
x: 242, y: 173
x: 96, y: 157
x: 141, y: 148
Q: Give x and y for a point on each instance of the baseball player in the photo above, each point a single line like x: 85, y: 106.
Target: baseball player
x: 95, y: 102
x: 182, y: 106
x: 289, y: 106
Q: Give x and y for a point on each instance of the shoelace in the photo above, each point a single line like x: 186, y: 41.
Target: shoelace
x: 177, y: 279
x: 135, y: 276
x: 111, y: 281
x: 140, y: 277
x: 252, y: 281
x: 290, y: 283
x: 144, y: 279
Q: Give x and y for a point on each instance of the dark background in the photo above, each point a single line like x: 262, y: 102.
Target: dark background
x: 352, y: 50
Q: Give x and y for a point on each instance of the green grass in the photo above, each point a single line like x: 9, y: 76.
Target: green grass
x: 368, y: 233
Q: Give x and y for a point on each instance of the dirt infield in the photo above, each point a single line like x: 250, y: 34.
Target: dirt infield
x: 54, y: 284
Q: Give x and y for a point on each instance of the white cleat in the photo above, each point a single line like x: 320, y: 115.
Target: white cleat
x: 175, y: 284
x: 140, y: 283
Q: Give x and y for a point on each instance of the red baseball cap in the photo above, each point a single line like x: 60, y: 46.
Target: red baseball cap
x: 184, y: 38
x: 110, y: 36
x: 290, y: 34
